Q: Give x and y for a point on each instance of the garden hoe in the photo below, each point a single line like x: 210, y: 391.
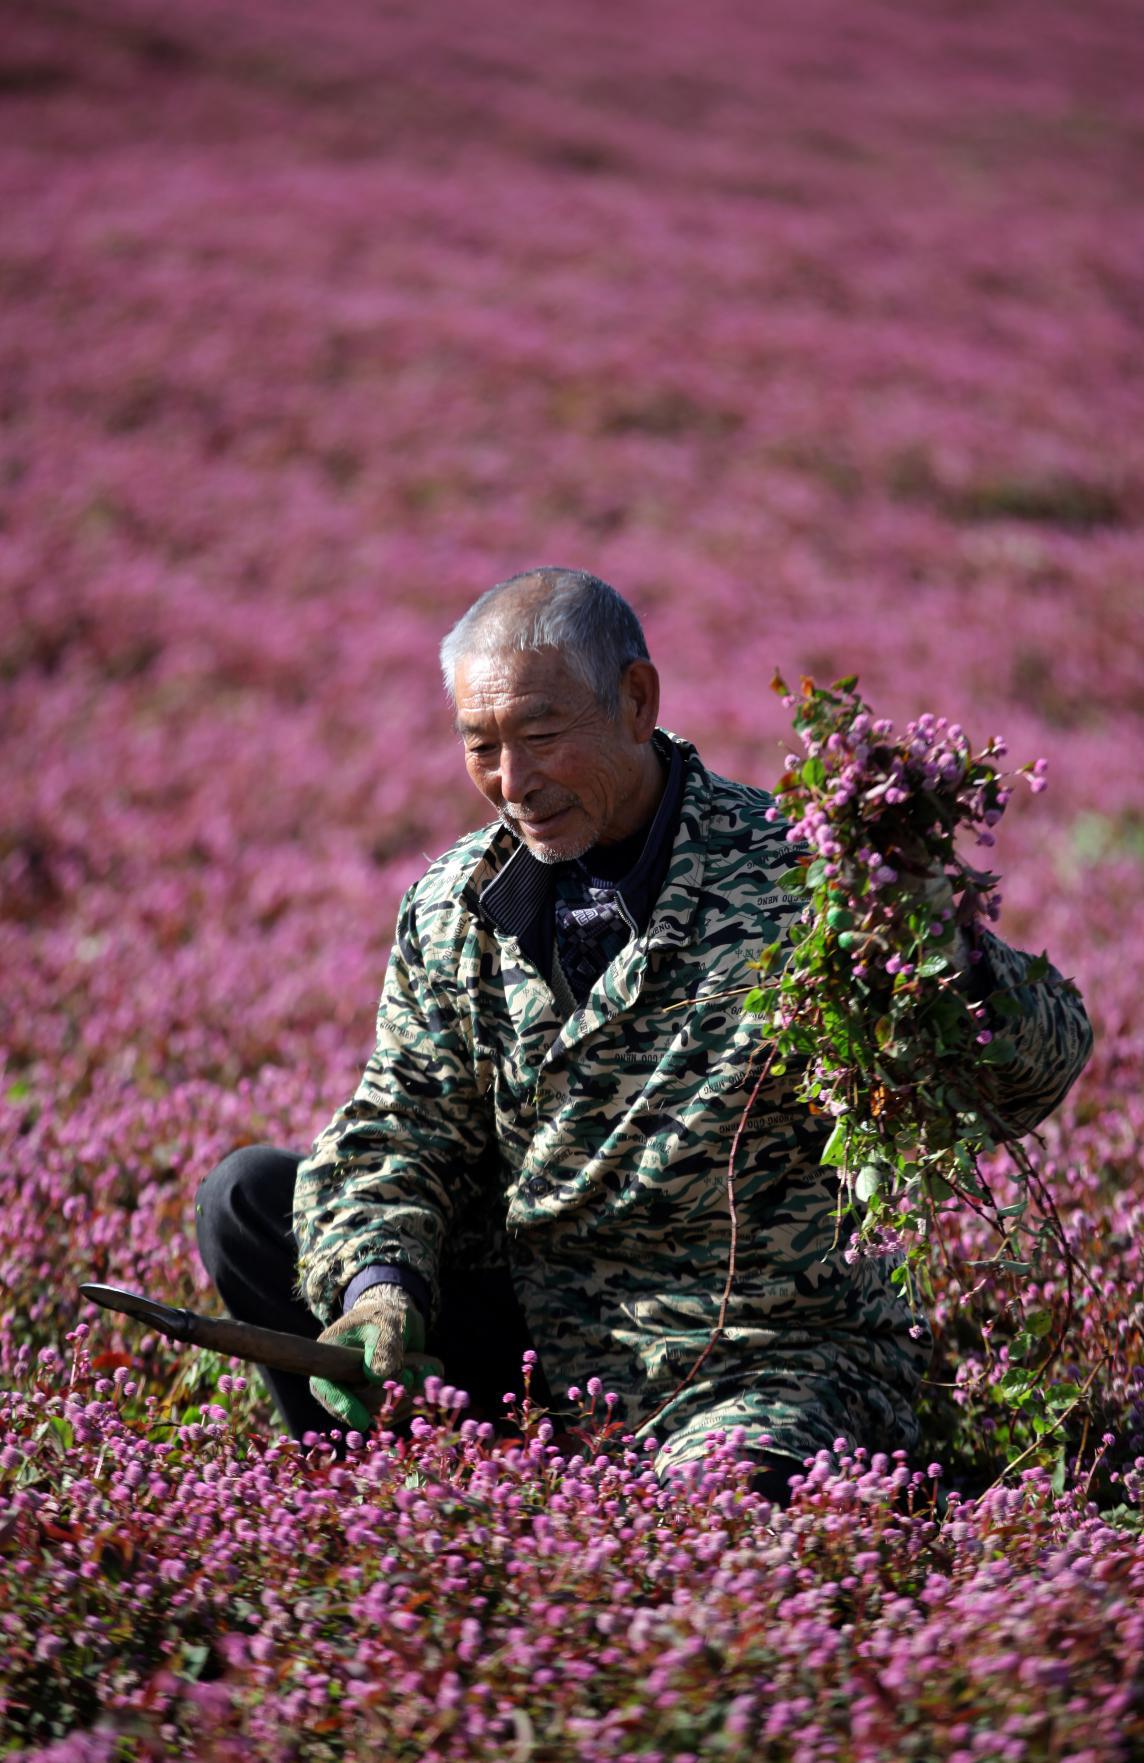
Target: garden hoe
x: 238, y: 1340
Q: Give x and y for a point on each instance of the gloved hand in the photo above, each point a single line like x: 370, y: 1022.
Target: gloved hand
x: 388, y: 1327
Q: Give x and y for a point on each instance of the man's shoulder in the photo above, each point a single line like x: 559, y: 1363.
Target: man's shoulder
x: 741, y: 818
x: 445, y: 885
x: 739, y: 802
x: 438, y: 914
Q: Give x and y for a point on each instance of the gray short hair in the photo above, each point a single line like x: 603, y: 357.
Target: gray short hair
x: 577, y: 613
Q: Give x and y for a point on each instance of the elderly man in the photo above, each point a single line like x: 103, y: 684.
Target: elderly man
x: 537, y: 1151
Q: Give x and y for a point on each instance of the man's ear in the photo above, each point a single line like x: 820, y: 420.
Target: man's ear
x: 639, y: 699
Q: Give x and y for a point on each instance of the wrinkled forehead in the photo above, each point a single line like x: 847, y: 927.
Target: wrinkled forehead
x: 517, y: 686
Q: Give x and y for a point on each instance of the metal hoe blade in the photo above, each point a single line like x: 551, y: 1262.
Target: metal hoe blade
x: 240, y: 1340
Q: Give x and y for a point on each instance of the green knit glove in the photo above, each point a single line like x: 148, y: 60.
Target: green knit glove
x: 388, y: 1327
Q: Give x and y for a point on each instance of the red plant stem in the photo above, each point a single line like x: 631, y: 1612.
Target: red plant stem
x: 733, y: 1251
x: 1049, y: 1208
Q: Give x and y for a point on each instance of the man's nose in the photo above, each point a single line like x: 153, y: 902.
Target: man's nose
x: 518, y: 774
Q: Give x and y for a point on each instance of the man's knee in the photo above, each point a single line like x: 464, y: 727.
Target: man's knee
x: 247, y: 1197
x: 772, y: 1478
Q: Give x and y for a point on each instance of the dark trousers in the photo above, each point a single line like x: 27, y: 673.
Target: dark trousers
x: 244, y: 1220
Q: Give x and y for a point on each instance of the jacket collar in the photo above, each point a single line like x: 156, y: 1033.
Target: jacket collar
x: 661, y: 887
x: 522, y: 890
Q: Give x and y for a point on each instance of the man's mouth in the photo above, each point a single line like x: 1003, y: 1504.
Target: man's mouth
x: 537, y: 826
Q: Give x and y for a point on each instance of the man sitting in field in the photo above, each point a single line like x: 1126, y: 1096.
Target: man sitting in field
x: 537, y: 1151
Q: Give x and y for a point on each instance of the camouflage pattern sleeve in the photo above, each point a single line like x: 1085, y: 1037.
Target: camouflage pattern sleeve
x: 1052, y: 1036
x: 387, y: 1176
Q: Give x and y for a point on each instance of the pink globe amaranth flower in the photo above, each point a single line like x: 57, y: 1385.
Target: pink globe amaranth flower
x: 223, y: 598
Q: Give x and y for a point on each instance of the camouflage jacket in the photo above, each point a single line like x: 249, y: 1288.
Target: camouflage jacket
x: 593, y: 1149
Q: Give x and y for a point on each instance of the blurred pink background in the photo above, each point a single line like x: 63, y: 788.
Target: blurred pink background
x: 816, y: 330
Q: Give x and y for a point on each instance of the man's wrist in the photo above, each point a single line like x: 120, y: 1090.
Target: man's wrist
x: 389, y: 1274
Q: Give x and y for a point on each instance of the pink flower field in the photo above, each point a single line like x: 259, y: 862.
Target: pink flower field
x: 819, y: 331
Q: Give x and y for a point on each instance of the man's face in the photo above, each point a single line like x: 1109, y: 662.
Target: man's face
x: 558, y: 770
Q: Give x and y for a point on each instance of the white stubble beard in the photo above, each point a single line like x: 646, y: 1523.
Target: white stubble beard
x: 546, y: 853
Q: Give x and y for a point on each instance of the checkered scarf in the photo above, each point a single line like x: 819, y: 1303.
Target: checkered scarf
x: 590, y: 928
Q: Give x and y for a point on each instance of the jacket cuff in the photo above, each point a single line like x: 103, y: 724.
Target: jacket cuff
x: 389, y: 1275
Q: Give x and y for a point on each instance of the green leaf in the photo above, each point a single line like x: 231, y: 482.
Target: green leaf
x: 767, y: 959
x: 1004, y: 1005
x: 834, y: 1152
x: 1038, y: 969
x: 63, y: 1430
x: 1039, y: 1324
x: 814, y: 774
x: 816, y: 874
x: 194, y: 1658
x: 932, y: 965
x: 948, y: 1011
x: 793, y: 878
x: 998, y: 1052
x: 883, y: 1031
x: 868, y: 1181
x: 1015, y: 1381
x: 755, y: 1001
x: 937, y: 1187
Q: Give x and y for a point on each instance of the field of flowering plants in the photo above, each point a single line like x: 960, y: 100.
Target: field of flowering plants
x: 819, y: 331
